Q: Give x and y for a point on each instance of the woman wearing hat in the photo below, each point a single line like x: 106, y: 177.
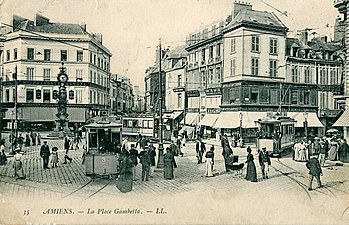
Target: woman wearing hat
x: 251, y: 173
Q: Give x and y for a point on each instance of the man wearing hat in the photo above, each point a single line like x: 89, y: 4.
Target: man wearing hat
x: 314, y: 171
x: 45, y: 154
x: 146, y: 162
x: 264, y: 162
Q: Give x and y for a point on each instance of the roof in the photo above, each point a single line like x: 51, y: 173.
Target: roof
x: 256, y: 17
x: 56, y: 28
x: 178, y: 52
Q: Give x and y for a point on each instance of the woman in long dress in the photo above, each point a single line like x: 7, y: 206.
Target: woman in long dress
x: 332, y: 153
x: 209, y: 162
x: 251, y: 173
x: 17, y: 165
x: 168, y: 164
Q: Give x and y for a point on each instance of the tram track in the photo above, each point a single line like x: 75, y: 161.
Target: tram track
x: 330, y: 192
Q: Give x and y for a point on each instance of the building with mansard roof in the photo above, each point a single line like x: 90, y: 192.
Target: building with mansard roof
x: 32, y: 54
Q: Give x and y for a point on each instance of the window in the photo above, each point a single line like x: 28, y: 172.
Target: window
x: 47, y: 74
x: 273, y: 46
x: 232, y: 67
x: 254, y: 66
x: 323, y: 76
x: 179, y: 100
x: 210, y: 53
x: 307, y: 78
x: 64, y: 55
x: 8, y: 55
x: 94, y: 59
x: 30, y: 95
x: 255, y: 43
x: 15, y: 53
x: 218, y: 50
x: 47, y: 54
x: 294, y: 97
x: 14, y: 95
x: 78, y: 75
x: 179, y: 80
x: 38, y: 94
x: 333, y: 76
x: 30, y: 53
x: 91, y: 57
x: 71, y: 94
x: 272, y: 68
x: 47, y: 95
x: 55, y: 94
x: 30, y: 73
x: 264, y: 95
x: 78, y: 96
x: 294, y: 73
x: 203, y: 54
x: 233, y: 45
x: 307, y: 97
x: 79, y: 56
x: 254, y: 96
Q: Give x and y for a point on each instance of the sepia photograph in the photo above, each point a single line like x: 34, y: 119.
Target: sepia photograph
x: 174, y: 112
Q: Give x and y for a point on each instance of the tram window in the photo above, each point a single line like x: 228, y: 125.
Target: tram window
x: 130, y: 123
x: 151, y: 123
x: 145, y: 124
x: 135, y: 123
x: 124, y: 123
x: 92, y: 140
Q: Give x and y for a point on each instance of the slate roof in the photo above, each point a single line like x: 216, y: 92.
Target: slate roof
x: 178, y: 52
x: 56, y: 28
x: 266, y: 19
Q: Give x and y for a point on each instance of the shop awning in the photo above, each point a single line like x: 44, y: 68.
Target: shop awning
x: 191, y: 119
x: 313, y: 120
x: 209, y: 120
x: 343, y: 120
x: 232, y: 119
x: 172, y: 115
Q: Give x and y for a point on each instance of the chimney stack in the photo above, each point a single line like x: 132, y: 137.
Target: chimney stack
x: 240, y: 6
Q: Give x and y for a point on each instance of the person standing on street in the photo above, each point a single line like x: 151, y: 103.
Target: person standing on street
x: 227, y: 155
x: 168, y: 164
x: 209, y: 162
x: 323, y: 152
x: 139, y: 138
x: 264, y: 162
x: 134, y: 158
x: 125, y: 181
x: 54, y: 158
x: 3, y: 158
x: 314, y: 171
x: 18, y: 165
x: 344, y: 151
x: 251, y: 173
x: 45, y: 154
x: 152, y: 154
x: 145, y: 161
x: 66, y: 148
x: 39, y: 139
x: 198, y: 151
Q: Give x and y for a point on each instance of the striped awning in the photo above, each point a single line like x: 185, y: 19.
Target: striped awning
x: 191, y: 119
x: 343, y: 120
x: 209, y: 120
x: 232, y: 119
x: 313, y: 120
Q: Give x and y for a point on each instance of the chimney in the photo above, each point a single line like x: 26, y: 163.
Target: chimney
x: 83, y: 26
x: 303, y: 37
x: 240, y: 6
x: 16, y: 20
x: 324, y: 39
x: 98, y: 37
x: 41, y: 20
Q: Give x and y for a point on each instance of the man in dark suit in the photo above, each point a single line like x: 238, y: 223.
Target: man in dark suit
x: 314, y: 171
x: 133, y: 157
x: 146, y: 162
x: 45, y: 154
x: 264, y: 162
x: 66, y: 148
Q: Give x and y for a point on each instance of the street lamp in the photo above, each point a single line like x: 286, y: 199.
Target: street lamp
x: 305, y: 114
x: 240, y: 116
x: 160, y: 163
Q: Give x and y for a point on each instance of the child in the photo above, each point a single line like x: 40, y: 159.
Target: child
x: 54, y: 158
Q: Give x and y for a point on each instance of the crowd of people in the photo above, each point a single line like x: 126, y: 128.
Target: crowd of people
x: 326, y: 148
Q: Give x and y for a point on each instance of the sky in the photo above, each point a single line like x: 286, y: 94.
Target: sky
x: 132, y: 28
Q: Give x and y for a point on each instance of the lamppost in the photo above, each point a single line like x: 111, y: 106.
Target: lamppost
x: 305, y: 114
x: 160, y: 163
x: 240, y: 139
x: 12, y: 134
x: 62, y: 115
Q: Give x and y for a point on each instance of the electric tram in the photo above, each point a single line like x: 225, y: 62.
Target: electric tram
x: 276, y: 134
x: 104, y: 137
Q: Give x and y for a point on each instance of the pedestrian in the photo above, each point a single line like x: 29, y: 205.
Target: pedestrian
x: 251, y: 172
x: 39, y: 139
x: 224, y: 141
x: 139, y: 138
x: 314, y: 171
x: 54, y: 157
x: 152, y: 154
x: 18, y: 165
x: 323, y: 153
x: 344, y: 151
x: 84, y: 152
x: 66, y: 148
x: 34, y: 139
x: 264, y: 162
x: 174, y: 151
x: 145, y: 161
x: 134, y: 158
x: 125, y: 180
x: 144, y: 142
x: 45, y: 155
x: 209, y: 162
x: 316, y: 145
x: 198, y: 151
x: 20, y: 141
x: 125, y: 145
x: 333, y: 152
x: 168, y: 164
x: 27, y: 140
x: 302, y: 152
x: 228, y: 156
x: 3, y: 158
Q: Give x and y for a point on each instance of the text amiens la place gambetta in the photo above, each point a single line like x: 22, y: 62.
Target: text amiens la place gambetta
x: 101, y: 211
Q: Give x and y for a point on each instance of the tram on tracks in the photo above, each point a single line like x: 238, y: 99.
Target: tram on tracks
x: 276, y: 133
x: 104, y: 136
x: 144, y: 124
